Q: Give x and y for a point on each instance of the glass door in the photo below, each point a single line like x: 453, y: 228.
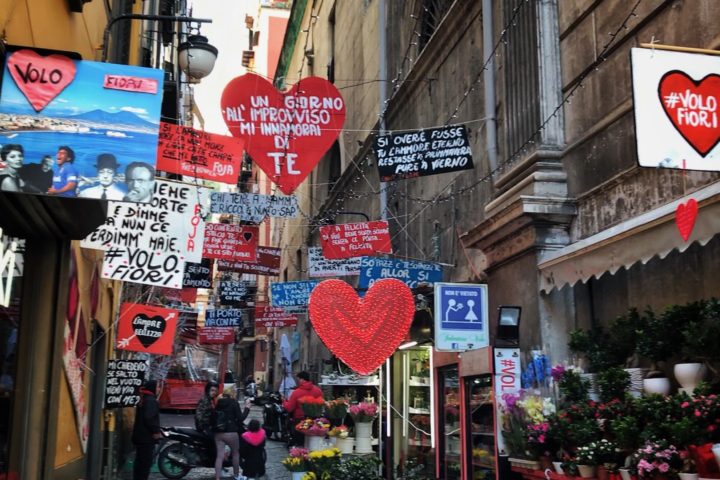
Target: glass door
x: 480, y: 425
x: 449, y: 425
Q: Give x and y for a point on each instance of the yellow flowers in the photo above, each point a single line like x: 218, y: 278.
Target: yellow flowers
x: 328, y: 453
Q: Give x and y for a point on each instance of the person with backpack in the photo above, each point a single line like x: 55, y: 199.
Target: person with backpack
x: 227, y: 425
x: 252, y: 450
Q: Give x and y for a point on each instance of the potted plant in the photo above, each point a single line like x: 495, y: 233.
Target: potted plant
x: 613, y: 382
x: 658, y: 460
x: 314, y: 430
x: 297, y: 462
x: 525, y: 428
x: 336, y: 410
x: 312, y: 406
x: 700, y: 347
x: 573, y: 388
x: 608, y: 456
x: 586, y: 457
x: 593, y: 346
x: 325, y: 463
x: 659, y: 339
x: 359, y: 468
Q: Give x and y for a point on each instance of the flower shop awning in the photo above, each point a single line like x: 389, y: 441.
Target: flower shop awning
x: 639, y: 239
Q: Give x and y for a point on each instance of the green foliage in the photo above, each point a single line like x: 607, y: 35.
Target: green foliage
x: 593, y: 344
x: 359, y: 468
x: 700, y: 337
x: 573, y: 387
x: 623, y: 337
x: 613, y: 382
x: 661, y: 335
x: 410, y: 469
x: 654, y: 412
x: 574, y: 426
x: 626, y: 430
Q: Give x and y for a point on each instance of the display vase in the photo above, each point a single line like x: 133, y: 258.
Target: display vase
x: 657, y: 385
x: 363, y: 430
x: 593, y: 392
x: 558, y: 468
x: 689, y: 375
x: 587, y: 471
x: 625, y: 474
x: 345, y: 445
x: 688, y: 476
x: 314, y: 442
x: 298, y: 475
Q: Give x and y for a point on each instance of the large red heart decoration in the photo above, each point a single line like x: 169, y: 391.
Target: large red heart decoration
x: 685, y: 216
x: 362, y: 332
x: 285, y: 133
x: 39, y: 78
x: 692, y: 107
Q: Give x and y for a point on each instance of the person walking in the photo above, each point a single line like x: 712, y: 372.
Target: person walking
x: 305, y: 388
x: 252, y: 451
x: 146, y: 430
x: 227, y: 426
x: 205, y: 408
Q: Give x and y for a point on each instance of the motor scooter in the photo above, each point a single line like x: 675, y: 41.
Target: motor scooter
x: 274, y: 417
x: 184, y: 449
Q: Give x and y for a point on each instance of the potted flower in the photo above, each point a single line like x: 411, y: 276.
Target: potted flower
x: 297, y: 462
x: 325, y: 463
x: 312, y: 406
x: 608, y: 456
x: 700, y: 347
x: 336, y: 433
x: 525, y: 427
x: 363, y: 412
x: 572, y: 386
x: 335, y: 410
x: 314, y: 430
x: 586, y: 458
x: 658, y: 460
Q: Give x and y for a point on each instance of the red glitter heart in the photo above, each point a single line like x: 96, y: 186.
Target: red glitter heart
x: 685, y: 217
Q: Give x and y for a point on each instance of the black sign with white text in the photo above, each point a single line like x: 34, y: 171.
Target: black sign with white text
x: 124, y: 379
x: 234, y: 293
x: 198, y: 275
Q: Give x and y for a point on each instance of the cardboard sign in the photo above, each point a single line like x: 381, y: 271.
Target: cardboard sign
x: 355, y: 239
x: 150, y: 243
x: 271, y: 317
x: 507, y: 380
x: 225, y: 317
x: 253, y: 207
x: 231, y: 242
x: 288, y: 294
x: 216, y: 336
x: 676, y: 98
x: 186, y: 151
x: 319, y: 266
x: 233, y: 293
x: 285, y: 133
x: 461, y: 317
x: 268, y: 263
x: 123, y: 381
x: 422, y: 153
x: 146, y: 328
x: 107, y: 128
x: 410, y: 272
x: 198, y: 275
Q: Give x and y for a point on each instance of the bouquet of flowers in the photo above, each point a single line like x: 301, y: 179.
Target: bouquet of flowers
x: 312, y: 406
x: 363, y: 412
x: 314, y: 427
x: 324, y: 463
x: 341, y: 431
x: 297, y: 461
x: 525, y: 424
x: 657, y: 458
x: 587, y: 454
x: 336, y: 409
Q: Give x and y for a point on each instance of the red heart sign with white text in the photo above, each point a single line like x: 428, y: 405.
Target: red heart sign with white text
x: 39, y: 78
x: 692, y: 107
x: 685, y: 217
x: 286, y: 134
x: 362, y: 332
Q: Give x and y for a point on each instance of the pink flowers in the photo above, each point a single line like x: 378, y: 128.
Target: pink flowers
x: 363, y: 412
x: 656, y: 456
x: 557, y: 372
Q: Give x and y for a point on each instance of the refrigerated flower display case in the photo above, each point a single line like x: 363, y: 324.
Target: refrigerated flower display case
x: 480, y: 428
x: 449, y: 423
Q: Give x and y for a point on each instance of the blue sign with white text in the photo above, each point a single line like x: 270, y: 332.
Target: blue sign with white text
x: 225, y: 317
x: 408, y: 271
x: 461, y: 321
x: 288, y: 294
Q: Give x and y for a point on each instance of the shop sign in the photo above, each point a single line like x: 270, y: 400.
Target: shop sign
x: 123, y: 381
x: 146, y: 328
x: 105, y: 115
x: 150, y: 243
x: 198, y: 275
x: 355, y: 239
x: 422, y: 153
x: 231, y: 242
x: 269, y: 317
x: 233, y: 293
x: 289, y: 294
x: 224, y: 317
x: 410, y: 272
x: 319, y: 266
x: 461, y: 317
x: 285, y: 133
x: 506, y: 381
x: 268, y: 263
x: 7, y: 267
x: 676, y: 98
x: 194, y: 153
x: 253, y: 207
x: 216, y: 336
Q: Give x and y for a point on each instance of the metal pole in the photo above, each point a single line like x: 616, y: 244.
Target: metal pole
x: 382, y: 75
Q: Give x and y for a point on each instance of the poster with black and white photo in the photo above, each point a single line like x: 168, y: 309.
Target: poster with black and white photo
x: 233, y: 293
x: 123, y: 381
x: 422, y: 153
x: 198, y: 275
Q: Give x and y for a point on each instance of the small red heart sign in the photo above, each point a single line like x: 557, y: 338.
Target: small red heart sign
x: 685, y: 216
x: 362, y: 332
x: 692, y: 107
x: 39, y: 78
x: 285, y: 133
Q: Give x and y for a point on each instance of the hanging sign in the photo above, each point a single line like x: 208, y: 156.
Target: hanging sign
x: 319, y: 266
x: 7, y: 269
x: 198, y: 275
x: 675, y: 98
x: 224, y: 317
x: 268, y: 263
x: 285, y: 133
x: 289, y: 294
x: 123, y: 380
x: 422, y: 153
x: 194, y: 153
x: 507, y: 381
x: 253, y: 207
x: 146, y: 328
x: 233, y: 293
x: 231, y: 242
x: 150, y: 243
x: 409, y: 272
x: 76, y: 128
x: 216, y: 336
x: 273, y: 317
x: 461, y: 317
x: 355, y: 239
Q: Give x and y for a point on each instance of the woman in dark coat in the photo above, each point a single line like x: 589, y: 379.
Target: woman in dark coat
x: 227, y: 425
x: 146, y: 430
x: 252, y: 450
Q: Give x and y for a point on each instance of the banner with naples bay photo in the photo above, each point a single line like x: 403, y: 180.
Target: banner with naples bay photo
x: 75, y: 128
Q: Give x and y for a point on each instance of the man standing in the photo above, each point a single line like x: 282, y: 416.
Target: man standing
x: 107, y: 189
x: 38, y: 177
x: 305, y: 388
x: 66, y: 176
x: 205, y: 408
x: 146, y: 430
x: 140, y: 179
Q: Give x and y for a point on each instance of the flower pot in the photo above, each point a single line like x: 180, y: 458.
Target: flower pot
x: 587, y: 471
x: 363, y: 430
x: 345, y: 445
x: 522, y: 463
x: 602, y: 473
x: 656, y: 385
x: 625, y: 474
x: 558, y: 468
x: 313, y: 442
x: 688, y: 476
x: 689, y: 375
x: 546, y: 462
x: 716, y: 452
x: 636, y: 381
x: 363, y: 445
x: 297, y: 475
x: 593, y: 392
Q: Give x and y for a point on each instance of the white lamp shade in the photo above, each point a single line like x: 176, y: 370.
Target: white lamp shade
x: 196, y: 57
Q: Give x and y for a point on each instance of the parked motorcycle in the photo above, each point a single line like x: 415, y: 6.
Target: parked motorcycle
x: 185, y: 448
x: 274, y: 417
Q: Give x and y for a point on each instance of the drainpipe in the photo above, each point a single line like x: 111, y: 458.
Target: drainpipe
x: 489, y: 84
x: 382, y: 75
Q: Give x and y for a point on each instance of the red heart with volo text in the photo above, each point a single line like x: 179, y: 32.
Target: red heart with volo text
x: 285, y: 133
x: 39, y: 78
